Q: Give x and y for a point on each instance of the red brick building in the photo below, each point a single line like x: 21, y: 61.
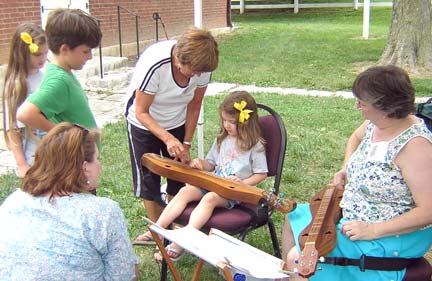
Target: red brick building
x: 176, y: 15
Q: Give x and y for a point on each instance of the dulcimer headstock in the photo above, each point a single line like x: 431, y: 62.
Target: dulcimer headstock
x: 281, y: 204
x: 308, y: 260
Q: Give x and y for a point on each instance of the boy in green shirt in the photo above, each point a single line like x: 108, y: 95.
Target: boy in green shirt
x: 71, y: 35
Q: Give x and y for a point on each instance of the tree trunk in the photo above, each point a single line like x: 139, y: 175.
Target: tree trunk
x: 409, y: 42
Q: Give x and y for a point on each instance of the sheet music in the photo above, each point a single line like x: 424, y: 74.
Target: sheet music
x: 219, y: 247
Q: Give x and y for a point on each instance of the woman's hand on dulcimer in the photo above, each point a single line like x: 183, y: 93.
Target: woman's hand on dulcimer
x: 339, y: 179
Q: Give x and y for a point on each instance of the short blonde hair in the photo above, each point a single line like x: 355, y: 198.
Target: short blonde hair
x: 197, y: 48
x: 57, y: 168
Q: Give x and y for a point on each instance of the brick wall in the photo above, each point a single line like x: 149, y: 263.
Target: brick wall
x: 12, y: 13
x: 176, y: 15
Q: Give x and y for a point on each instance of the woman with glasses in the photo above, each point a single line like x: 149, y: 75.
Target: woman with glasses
x: 386, y: 203
x: 53, y: 227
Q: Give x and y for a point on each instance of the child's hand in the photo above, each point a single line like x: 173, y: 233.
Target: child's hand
x: 197, y: 164
x: 233, y: 178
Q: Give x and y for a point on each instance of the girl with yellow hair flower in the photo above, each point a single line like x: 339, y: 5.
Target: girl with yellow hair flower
x: 28, y: 53
x: 237, y: 154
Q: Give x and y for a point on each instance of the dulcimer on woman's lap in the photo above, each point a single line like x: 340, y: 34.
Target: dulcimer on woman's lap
x: 319, y: 237
x: 228, y: 189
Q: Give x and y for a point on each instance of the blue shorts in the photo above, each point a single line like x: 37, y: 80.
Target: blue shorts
x: 231, y: 203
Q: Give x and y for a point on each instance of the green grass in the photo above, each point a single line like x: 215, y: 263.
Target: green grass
x: 320, y: 49
x: 317, y: 130
x: 315, y: 50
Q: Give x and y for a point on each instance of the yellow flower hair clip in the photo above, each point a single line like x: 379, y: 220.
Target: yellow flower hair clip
x: 26, y: 37
x: 244, y: 113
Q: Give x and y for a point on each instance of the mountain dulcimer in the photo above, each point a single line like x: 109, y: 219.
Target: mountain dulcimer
x: 228, y: 189
x: 319, y: 237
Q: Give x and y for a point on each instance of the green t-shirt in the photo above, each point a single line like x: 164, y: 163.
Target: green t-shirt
x: 61, y: 98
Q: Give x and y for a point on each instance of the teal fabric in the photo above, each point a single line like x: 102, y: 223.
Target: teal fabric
x: 410, y: 245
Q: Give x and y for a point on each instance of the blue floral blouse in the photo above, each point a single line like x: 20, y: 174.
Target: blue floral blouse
x: 77, y: 237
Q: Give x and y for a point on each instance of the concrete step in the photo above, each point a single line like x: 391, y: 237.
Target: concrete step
x: 116, y: 74
x: 116, y: 80
x: 92, y: 67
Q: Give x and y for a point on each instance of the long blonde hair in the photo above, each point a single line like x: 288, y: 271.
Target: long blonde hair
x: 248, y: 132
x: 15, y: 89
x: 57, y: 169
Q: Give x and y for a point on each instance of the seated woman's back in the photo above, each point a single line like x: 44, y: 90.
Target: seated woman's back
x: 63, y: 239
x: 53, y: 227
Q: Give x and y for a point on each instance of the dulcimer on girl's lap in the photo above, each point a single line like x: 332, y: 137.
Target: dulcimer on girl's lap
x: 228, y: 189
x: 319, y: 237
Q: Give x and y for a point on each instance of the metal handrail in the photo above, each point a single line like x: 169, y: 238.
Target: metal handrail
x: 119, y: 28
x: 157, y: 18
x: 100, y: 55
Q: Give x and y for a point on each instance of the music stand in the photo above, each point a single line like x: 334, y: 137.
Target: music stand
x: 220, y: 250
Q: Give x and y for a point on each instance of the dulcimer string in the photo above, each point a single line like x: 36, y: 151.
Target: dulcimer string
x: 228, y: 189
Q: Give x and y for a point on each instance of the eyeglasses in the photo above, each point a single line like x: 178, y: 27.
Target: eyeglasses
x: 360, y: 103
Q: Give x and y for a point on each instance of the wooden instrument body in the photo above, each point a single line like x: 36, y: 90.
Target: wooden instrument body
x: 319, y: 237
x: 228, y: 189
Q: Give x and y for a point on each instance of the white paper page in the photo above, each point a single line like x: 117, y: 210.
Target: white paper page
x: 220, y: 247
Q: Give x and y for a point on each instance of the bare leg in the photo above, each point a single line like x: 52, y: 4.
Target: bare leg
x: 153, y: 209
x: 202, y: 213
x: 177, y: 204
x: 289, y: 249
x: 288, y: 241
